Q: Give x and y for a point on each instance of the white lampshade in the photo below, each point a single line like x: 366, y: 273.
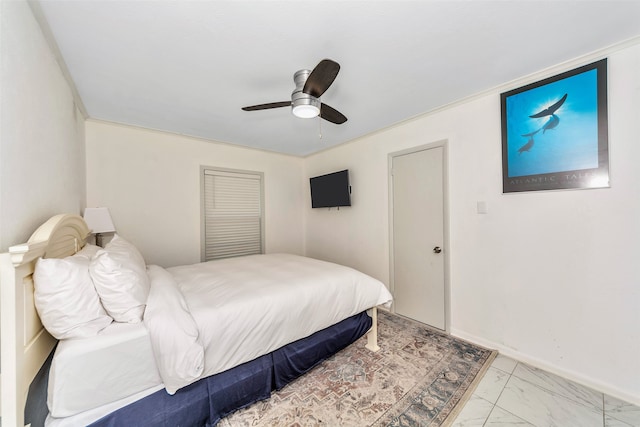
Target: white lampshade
x: 99, y: 220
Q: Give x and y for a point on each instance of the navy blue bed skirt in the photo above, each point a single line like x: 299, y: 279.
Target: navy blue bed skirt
x: 207, y: 401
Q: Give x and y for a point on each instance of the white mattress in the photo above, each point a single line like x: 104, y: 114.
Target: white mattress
x: 92, y: 415
x: 83, y: 375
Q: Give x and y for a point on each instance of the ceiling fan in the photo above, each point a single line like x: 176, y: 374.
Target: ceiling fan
x: 310, y: 85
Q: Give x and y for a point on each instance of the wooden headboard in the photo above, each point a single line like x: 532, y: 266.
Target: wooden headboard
x: 25, y: 344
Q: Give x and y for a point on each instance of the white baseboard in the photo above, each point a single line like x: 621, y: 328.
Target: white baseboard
x: 549, y: 367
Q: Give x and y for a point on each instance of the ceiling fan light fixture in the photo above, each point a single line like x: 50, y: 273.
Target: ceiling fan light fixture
x: 305, y: 108
x: 305, y: 98
x: 306, y: 111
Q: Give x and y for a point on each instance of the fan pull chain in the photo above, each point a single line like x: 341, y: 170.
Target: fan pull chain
x: 319, y: 127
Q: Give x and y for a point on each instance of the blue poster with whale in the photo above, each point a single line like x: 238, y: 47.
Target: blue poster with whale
x: 554, y: 132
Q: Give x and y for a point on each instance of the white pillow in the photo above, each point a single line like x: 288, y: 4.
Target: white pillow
x: 120, y: 277
x: 89, y: 251
x: 65, y: 298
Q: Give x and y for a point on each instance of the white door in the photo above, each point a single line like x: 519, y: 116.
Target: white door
x: 418, y: 235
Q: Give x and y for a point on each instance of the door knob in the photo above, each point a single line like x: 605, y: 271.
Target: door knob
x: 437, y: 249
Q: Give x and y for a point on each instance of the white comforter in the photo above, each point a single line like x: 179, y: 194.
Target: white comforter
x: 228, y: 312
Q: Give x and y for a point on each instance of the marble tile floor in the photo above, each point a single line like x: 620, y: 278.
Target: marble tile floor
x: 515, y: 394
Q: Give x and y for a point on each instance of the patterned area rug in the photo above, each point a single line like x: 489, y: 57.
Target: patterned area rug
x: 416, y: 379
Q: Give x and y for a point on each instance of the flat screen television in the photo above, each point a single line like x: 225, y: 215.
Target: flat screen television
x: 330, y: 190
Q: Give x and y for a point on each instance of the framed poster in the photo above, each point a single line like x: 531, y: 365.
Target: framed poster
x: 554, y: 132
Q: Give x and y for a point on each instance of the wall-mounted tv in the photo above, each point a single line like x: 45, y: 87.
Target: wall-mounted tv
x: 330, y: 190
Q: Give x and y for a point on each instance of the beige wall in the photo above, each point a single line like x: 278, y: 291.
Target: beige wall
x: 150, y: 181
x: 42, y: 165
x: 551, y: 278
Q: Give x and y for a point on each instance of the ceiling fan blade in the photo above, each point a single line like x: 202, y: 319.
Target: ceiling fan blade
x: 321, y: 78
x: 267, y: 106
x: 331, y: 114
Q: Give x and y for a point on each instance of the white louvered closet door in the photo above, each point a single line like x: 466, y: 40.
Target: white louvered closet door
x: 232, y: 214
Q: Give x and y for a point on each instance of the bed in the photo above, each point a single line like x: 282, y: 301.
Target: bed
x: 199, y: 373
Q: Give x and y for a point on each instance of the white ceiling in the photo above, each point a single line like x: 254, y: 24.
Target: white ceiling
x: 189, y: 66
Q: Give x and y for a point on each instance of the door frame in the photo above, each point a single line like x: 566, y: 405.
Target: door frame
x: 445, y: 204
